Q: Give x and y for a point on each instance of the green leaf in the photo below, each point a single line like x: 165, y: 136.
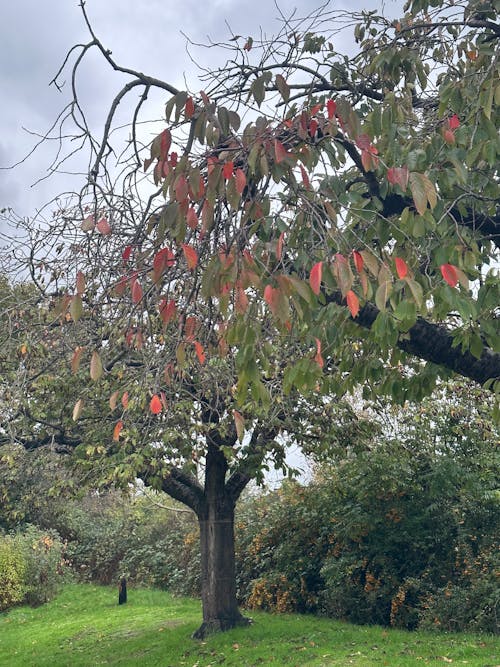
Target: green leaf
x: 382, y: 294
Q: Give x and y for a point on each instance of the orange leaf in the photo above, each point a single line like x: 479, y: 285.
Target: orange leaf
x: 117, y: 430
x: 318, y: 358
x: 401, y: 268
x: 315, y: 277
x: 191, y: 218
x: 279, y: 246
x: 190, y: 327
x: 113, y: 399
x: 189, y: 108
x: 241, y: 181
x: 199, y: 352
x: 241, y: 301
x: 280, y: 151
x: 449, y: 273
x: 80, y: 283
x: 125, y: 400
x: 191, y: 256
x: 358, y: 260
x: 155, y: 405
x: 352, y: 303
x: 75, y: 360
x: 239, y: 422
x: 228, y: 169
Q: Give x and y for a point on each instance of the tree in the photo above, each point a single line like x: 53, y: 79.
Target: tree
x: 346, y: 236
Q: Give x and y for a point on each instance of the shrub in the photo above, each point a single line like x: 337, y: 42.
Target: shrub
x: 31, y: 567
x: 12, y: 573
x: 44, y: 556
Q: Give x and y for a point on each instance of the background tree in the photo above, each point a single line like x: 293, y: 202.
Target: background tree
x: 344, y: 236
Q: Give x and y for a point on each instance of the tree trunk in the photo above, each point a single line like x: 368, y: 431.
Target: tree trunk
x: 218, y: 575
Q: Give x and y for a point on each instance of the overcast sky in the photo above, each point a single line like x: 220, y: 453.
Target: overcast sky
x: 143, y: 34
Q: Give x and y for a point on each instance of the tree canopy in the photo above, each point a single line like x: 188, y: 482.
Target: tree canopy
x: 308, y: 223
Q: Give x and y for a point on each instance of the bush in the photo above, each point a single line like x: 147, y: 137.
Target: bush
x: 400, y: 532
x: 31, y: 567
x: 113, y: 535
x: 45, y: 566
x: 12, y: 573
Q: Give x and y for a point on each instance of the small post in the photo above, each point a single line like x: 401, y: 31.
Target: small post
x: 122, y: 591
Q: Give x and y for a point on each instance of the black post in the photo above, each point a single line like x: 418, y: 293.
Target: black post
x: 122, y: 591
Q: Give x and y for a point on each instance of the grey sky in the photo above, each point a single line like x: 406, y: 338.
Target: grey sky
x: 145, y: 35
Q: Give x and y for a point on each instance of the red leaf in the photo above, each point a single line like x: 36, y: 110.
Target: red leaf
x: 358, y: 260
x: 315, y: 277
x: 449, y: 273
x: 189, y: 108
x: 167, y: 310
x: 125, y: 400
x: 155, y: 405
x: 126, y: 253
x: 228, y: 169
x: 163, y: 260
x: 268, y: 294
x: 272, y: 298
x: 363, y: 142
x: 352, y: 303
x: 104, y: 227
x: 241, y: 181
x: 280, y: 151
x: 454, y: 122
x: 191, y: 218
x: 401, y: 268
x: 117, y: 431
x: 318, y: 358
x: 80, y: 283
x: 239, y: 423
x: 137, y: 292
x: 448, y: 136
x: 305, y: 178
x: 199, y: 352
x: 279, y: 246
x: 191, y: 256
x: 331, y: 108
x: 181, y: 188
x: 190, y: 327
x: 241, y: 301
x: 313, y: 127
x: 165, y: 143
x: 399, y: 176
x: 316, y: 108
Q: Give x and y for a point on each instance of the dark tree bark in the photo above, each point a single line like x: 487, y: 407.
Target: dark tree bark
x: 218, y: 574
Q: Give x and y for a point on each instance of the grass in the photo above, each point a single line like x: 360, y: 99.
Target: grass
x: 85, y: 626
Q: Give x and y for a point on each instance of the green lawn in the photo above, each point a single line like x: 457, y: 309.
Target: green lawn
x: 85, y: 626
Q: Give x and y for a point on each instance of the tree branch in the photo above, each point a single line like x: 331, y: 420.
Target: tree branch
x: 433, y: 342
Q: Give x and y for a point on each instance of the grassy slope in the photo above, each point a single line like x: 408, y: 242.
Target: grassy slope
x: 85, y: 626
